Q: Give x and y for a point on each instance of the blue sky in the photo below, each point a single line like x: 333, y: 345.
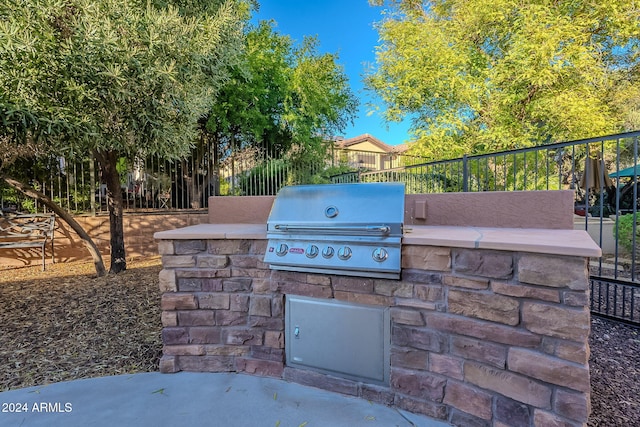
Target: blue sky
x: 344, y: 27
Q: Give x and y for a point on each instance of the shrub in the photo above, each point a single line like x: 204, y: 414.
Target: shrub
x: 623, y: 231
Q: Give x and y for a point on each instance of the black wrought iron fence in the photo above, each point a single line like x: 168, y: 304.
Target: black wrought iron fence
x: 615, y: 299
x: 151, y: 183
x: 603, y: 172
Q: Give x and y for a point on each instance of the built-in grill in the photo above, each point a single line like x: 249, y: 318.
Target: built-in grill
x: 348, y: 229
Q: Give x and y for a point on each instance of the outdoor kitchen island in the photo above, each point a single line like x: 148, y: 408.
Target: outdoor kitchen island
x: 488, y: 325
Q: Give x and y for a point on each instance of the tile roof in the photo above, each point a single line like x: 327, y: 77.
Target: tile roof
x: 345, y: 143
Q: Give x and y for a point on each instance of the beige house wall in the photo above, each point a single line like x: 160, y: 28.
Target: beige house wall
x: 365, y: 146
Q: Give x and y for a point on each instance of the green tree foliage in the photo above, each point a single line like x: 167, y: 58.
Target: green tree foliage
x: 113, y: 79
x: 284, y: 99
x: 484, y: 75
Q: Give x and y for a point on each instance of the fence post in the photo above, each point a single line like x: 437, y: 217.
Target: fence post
x: 92, y: 183
x: 465, y: 174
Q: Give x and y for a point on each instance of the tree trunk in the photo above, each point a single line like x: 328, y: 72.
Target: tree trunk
x: 196, y: 184
x: 215, y: 147
x: 111, y: 177
x: 66, y: 217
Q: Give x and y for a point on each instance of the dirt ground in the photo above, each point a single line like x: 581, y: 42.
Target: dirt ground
x: 65, y: 324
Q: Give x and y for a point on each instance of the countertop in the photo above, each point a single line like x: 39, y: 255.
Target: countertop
x: 555, y: 242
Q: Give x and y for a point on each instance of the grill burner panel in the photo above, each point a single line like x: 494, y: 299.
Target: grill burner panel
x: 347, y: 229
x: 333, y: 257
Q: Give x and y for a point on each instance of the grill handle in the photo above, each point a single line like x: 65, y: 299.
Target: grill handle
x: 377, y: 229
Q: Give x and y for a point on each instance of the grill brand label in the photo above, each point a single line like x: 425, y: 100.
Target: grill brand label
x: 296, y: 251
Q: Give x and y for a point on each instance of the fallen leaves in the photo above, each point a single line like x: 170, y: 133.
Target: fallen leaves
x: 65, y: 323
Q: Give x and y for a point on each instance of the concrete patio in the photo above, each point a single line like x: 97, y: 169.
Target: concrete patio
x: 194, y: 399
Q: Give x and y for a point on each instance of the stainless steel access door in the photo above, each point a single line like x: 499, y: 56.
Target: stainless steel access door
x: 338, y: 338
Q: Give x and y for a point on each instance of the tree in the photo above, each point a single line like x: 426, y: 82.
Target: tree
x: 113, y: 79
x: 484, y: 75
x: 284, y: 99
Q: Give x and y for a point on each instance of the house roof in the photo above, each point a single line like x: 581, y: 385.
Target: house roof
x: 350, y: 142
x: 401, y: 148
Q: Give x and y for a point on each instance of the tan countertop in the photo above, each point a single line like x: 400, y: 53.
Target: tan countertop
x: 215, y: 231
x: 555, y: 242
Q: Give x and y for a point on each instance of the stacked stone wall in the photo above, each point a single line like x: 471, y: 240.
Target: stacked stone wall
x: 478, y: 337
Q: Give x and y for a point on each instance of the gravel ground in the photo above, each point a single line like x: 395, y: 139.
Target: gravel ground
x: 65, y: 324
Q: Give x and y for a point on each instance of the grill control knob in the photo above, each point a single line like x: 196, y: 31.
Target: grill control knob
x: 380, y: 254
x: 282, y: 249
x: 327, y: 252
x: 344, y: 253
x: 331, y: 212
x: 312, y: 251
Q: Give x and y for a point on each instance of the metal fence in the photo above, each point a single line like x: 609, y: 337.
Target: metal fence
x: 151, y: 183
x: 603, y: 172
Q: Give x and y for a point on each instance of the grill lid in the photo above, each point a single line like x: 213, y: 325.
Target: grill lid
x: 350, y: 229
x: 371, y: 208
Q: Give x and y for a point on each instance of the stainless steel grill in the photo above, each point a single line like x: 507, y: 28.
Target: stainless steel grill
x: 348, y: 229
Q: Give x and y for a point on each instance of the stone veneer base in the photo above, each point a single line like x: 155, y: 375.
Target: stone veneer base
x: 479, y: 336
